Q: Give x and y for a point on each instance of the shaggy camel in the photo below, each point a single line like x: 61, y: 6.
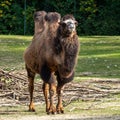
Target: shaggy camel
x: 53, y: 55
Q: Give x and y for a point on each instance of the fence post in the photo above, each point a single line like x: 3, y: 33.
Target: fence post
x: 24, y: 17
x: 75, y: 8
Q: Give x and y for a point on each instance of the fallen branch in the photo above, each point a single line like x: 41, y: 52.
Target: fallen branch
x: 7, y: 94
x: 14, y: 87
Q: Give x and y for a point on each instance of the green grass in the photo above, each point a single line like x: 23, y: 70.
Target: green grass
x: 103, y: 107
x: 99, y: 55
x: 11, y: 51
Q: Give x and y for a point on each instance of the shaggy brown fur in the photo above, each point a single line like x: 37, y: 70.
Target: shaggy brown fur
x: 53, y: 52
x: 66, y: 43
x: 39, y: 21
x: 40, y: 58
x: 40, y: 50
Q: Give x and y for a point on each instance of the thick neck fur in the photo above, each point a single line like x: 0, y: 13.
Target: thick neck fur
x: 67, y: 45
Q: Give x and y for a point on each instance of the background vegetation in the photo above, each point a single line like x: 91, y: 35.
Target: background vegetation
x: 95, y: 17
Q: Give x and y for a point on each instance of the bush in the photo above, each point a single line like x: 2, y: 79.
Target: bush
x: 95, y: 17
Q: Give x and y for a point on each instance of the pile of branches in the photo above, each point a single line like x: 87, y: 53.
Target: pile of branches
x: 14, y: 89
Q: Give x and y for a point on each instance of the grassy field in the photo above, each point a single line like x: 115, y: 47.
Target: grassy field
x: 99, y: 55
x: 11, y: 51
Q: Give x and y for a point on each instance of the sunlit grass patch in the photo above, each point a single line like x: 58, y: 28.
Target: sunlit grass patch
x: 99, y: 56
x: 95, y: 108
x: 11, y: 51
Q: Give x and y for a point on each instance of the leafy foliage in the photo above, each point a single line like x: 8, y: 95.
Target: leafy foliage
x: 94, y: 16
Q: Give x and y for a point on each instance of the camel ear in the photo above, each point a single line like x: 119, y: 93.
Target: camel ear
x: 76, y: 23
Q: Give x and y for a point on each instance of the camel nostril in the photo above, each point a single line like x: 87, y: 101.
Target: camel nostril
x: 71, y: 26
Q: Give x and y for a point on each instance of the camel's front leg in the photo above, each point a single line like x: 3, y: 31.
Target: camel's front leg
x: 61, y: 82
x: 31, y: 88
x: 52, y: 90
x: 31, y: 76
x: 60, y: 93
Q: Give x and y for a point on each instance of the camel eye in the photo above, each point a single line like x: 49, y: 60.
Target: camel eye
x: 64, y: 24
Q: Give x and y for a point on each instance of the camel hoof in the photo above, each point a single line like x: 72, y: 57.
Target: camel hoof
x: 52, y: 110
x: 61, y: 111
x: 31, y: 110
x: 51, y: 113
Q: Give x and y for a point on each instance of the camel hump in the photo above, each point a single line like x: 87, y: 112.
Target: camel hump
x: 38, y: 15
x: 53, y: 17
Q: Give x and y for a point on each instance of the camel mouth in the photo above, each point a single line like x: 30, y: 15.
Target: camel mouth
x: 70, y: 30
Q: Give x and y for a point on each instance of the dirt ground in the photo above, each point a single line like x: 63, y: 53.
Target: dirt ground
x: 60, y: 117
x: 91, y: 90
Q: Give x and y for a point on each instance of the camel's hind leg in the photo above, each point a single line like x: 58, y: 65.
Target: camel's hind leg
x: 49, y: 90
x: 52, y: 90
x: 31, y: 76
x: 46, y: 95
